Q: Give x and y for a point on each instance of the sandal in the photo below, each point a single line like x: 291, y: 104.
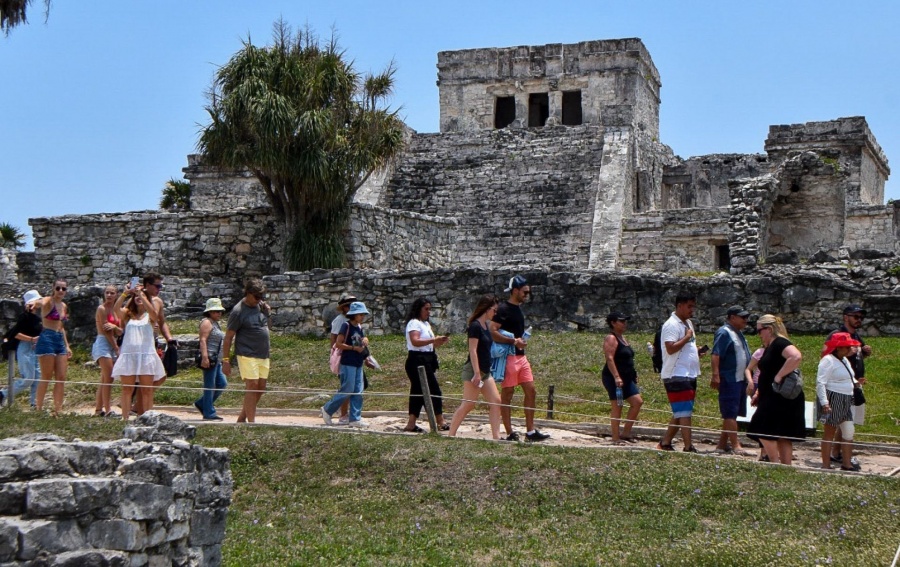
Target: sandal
x: 690, y: 449
x: 415, y: 429
x: 661, y: 447
x: 444, y: 427
x: 627, y: 439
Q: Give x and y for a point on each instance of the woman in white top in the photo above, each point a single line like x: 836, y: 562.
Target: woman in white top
x: 834, y: 390
x: 138, y: 360
x: 421, y: 342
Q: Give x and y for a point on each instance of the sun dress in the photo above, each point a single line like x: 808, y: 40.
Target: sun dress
x: 137, y: 355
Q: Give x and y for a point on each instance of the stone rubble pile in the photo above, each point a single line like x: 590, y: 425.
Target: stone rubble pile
x: 151, y: 498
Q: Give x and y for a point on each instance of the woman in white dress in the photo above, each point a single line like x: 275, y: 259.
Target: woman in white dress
x: 138, y: 360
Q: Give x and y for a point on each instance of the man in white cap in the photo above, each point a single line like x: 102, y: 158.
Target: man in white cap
x: 511, y: 319
x: 25, y: 332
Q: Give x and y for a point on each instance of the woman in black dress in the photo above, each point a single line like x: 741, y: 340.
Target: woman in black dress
x: 777, y: 421
x: 619, y: 372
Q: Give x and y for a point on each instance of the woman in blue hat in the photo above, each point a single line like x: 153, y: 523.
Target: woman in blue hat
x: 354, y: 347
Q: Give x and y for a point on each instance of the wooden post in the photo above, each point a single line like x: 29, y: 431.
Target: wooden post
x: 10, y: 392
x: 550, y: 403
x: 429, y: 407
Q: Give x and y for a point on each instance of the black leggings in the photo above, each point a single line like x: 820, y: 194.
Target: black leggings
x: 416, y: 399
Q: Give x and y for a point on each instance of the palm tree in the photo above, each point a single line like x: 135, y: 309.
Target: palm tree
x: 13, y: 13
x: 310, y: 128
x: 176, y: 195
x: 11, y: 236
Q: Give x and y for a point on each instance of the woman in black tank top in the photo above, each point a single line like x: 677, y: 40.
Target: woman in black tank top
x: 619, y: 372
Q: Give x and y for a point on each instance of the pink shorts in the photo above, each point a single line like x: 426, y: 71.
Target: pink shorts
x: 518, y: 371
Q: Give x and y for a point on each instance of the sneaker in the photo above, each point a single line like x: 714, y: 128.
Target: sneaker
x: 212, y: 418
x: 854, y: 461
x: 112, y: 414
x: 344, y: 420
x: 511, y: 437
x: 536, y: 436
x: 197, y: 405
x: 326, y: 417
x: 358, y: 423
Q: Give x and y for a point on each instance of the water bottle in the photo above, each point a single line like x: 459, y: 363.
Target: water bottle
x: 650, y: 349
x: 527, y: 334
x: 620, y: 401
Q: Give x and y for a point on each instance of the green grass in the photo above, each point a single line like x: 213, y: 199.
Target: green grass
x: 320, y: 497
x: 569, y: 361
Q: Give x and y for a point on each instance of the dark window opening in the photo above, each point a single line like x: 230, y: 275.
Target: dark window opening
x: 571, y: 108
x: 538, y: 109
x: 723, y: 257
x: 504, y: 111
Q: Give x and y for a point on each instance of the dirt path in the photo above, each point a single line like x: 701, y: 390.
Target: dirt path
x: 880, y: 459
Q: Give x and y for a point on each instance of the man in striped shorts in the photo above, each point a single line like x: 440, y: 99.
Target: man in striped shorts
x: 681, y: 367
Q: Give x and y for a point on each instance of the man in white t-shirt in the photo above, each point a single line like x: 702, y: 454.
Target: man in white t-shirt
x: 681, y: 367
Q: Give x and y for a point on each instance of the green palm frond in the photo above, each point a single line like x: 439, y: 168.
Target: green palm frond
x: 11, y: 236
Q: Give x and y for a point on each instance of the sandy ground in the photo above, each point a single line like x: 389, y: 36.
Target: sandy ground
x: 875, y: 459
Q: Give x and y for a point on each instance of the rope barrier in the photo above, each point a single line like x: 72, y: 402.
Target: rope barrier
x: 593, y: 418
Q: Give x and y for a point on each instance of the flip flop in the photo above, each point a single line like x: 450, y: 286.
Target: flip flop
x: 445, y: 427
x: 415, y: 429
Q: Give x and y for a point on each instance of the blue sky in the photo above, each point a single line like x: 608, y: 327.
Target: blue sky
x: 103, y: 102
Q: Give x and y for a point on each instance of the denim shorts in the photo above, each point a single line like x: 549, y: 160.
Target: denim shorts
x: 102, y: 349
x: 51, y: 343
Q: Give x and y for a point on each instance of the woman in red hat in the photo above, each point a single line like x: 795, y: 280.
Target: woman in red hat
x: 834, y: 390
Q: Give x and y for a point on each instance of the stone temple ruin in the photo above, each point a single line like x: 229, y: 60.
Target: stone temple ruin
x: 547, y: 157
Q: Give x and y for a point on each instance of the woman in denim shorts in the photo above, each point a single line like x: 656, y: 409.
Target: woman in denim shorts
x: 52, y: 349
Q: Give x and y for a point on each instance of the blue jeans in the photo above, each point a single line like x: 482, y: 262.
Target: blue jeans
x: 351, y: 387
x: 214, y: 383
x: 28, y: 368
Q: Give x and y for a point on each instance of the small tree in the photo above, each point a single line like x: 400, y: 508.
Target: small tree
x: 310, y: 128
x: 176, y: 195
x: 11, y: 236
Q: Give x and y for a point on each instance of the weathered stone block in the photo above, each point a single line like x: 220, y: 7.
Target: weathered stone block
x: 123, y: 535
x: 142, y: 501
x: 49, y: 536
x: 207, y: 526
x: 50, y: 497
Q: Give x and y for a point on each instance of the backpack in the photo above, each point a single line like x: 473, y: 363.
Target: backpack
x: 657, y: 351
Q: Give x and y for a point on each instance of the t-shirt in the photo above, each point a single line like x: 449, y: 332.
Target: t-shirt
x: 337, y: 323
x: 685, y: 362
x: 351, y: 357
x: 511, y: 319
x: 251, y: 327
x: 733, y: 361
x: 483, y: 350
x: 425, y: 333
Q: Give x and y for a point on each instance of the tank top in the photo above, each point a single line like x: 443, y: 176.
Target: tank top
x: 214, y: 340
x: 624, y: 359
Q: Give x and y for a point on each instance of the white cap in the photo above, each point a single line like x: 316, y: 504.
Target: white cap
x: 30, y: 296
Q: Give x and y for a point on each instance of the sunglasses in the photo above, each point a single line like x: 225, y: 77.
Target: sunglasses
x: 157, y: 285
x: 61, y: 288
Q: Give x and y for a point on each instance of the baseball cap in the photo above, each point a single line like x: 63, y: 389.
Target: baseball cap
x: 853, y: 308
x: 516, y: 282
x: 617, y: 316
x: 344, y: 300
x: 737, y: 310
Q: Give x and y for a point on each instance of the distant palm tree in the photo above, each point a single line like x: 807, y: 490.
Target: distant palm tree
x: 176, y: 195
x: 11, y: 236
x: 13, y: 13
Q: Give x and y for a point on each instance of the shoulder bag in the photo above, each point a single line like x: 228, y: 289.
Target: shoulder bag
x: 335, y: 360
x: 791, y: 385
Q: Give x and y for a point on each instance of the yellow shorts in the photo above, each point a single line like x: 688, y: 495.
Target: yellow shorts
x: 253, y: 368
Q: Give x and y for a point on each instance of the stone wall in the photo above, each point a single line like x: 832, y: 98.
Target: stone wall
x: 385, y: 239
x: 8, y: 266
x: 110, y: 248
x: 874, y: 228
x: 149, y: 499
x: 809, y: 298
x: 520, y: 196
x: 214, y: 189
x: 703, y: 181
x: 674, y: 241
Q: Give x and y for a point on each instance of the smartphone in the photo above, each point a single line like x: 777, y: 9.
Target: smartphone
x: 703, y: 350
x: 134, y: 281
